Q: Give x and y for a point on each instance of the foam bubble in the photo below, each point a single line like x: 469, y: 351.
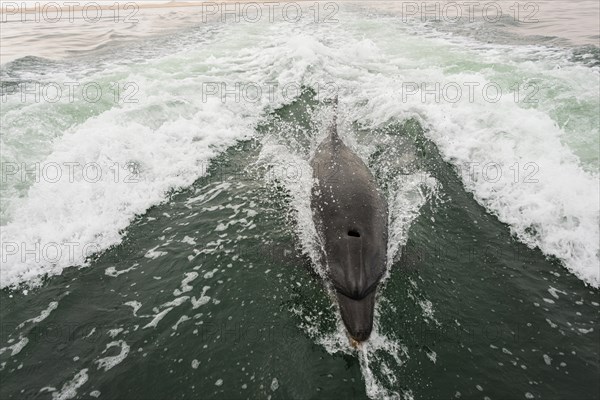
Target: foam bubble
x: 107, y: 363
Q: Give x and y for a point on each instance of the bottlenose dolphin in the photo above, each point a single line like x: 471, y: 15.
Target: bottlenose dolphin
x: 351, y: 217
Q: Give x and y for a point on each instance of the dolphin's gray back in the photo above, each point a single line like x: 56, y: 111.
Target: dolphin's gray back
x: 346, y: 203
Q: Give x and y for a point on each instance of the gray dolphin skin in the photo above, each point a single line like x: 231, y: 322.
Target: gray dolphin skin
x: 351, y: 217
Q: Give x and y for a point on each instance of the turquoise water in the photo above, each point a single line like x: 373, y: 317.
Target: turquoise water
x: 204, y: 281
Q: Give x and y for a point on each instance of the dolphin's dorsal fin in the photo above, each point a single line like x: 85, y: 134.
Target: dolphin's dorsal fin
x: 333, y: 128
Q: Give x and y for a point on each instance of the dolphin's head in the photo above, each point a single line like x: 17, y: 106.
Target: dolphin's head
x: 356, y: 265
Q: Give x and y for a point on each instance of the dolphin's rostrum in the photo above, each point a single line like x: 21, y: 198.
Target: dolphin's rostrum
x: 350, y: 215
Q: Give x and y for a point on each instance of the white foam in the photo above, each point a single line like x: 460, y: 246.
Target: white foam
x: 112, y: 271
x: 554, y: 292
x: 275, y: 155
x: 189, y: 241
x: 204, y: 299
x: 165, y: 137
x: 181, y: 319
x: 157, y: 318
x: 69, y: 389
x: 154, y: 254
x: 107, y: 363
x: 432, y: 355
x: 412, y: 192
x: 185, y: 287
x: 113, y: 333
x: 43, y: 315
x: 136, y: 305
x: 15, y: 348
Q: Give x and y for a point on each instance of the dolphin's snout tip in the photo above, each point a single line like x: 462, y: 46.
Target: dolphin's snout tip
x: 357, y: 316
x: 355, y: 344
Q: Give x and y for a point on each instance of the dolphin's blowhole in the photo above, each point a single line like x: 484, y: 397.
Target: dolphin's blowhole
x: 353, y: 233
